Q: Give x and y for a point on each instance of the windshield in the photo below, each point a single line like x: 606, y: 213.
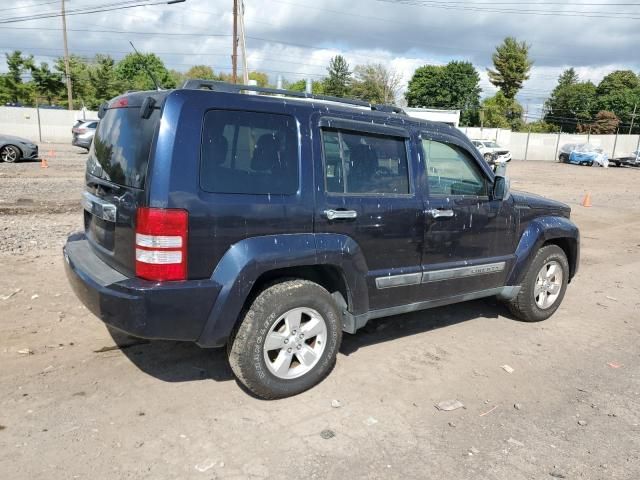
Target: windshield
x: 491, y: 145
x: 120, y: 149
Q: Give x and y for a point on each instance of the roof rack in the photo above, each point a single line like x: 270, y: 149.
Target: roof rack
x: 218, y: 86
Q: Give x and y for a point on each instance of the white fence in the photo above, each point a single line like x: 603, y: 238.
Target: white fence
x: 41, y: 124
x: 49, y: 125
x: 545, y: 146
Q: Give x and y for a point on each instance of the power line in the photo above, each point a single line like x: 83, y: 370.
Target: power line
x: 105, y: 8
x: 515, y: 11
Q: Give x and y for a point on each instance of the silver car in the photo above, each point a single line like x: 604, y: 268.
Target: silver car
x: 14, y: 149
x: 83, y: 132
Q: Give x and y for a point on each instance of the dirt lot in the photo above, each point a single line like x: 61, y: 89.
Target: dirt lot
x: 163, y: 410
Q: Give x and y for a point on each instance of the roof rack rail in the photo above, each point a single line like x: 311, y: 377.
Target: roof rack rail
x: 218, y: 86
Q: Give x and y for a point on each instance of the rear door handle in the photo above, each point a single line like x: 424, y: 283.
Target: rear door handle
x: 340, y: 214
x: 437, y: 213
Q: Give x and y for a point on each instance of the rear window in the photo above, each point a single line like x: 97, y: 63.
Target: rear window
x: 120, y: 149
x: 249, y: 153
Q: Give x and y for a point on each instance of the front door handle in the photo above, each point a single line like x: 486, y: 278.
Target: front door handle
x: 340, y: 214
x: 437, y: 213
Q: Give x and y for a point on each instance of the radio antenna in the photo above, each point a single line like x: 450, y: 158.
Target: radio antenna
x: 144, y: 65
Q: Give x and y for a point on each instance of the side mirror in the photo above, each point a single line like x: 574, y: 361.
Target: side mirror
x: 501, y: 184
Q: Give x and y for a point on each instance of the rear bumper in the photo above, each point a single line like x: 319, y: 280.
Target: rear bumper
x: 146, y: 309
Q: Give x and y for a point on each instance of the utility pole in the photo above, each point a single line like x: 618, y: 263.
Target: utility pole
x: 633, y: 117
x: 234, y: 54
x: 243, y: 47
x: 66, y: 58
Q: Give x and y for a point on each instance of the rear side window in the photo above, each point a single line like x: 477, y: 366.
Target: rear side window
x: 452, y: 171
x: 249, y: 153
x: 121, y: 145
x: 364, y: 163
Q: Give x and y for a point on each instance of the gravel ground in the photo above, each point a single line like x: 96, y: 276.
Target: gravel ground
x: 74, y: 405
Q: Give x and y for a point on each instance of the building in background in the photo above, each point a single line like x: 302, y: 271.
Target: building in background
x: 450, y: 117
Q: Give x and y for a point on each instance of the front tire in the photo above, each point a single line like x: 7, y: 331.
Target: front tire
x: 10, y: 154
x: 287, y: 341
x: 488, y: 158
x: 544, y: 286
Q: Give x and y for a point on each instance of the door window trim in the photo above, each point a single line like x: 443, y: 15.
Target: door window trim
x: 381, y: 131
x: 447, y: 140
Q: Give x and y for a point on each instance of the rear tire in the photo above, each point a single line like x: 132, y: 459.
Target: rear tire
x: 287, y: 341
x: 544, y: 286
x: 10, y: 154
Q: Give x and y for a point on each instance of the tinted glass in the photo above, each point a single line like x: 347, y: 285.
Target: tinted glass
x: 452, y: 171
x: 364, y: 163
x: 249, y: 152
x: 120, y: 149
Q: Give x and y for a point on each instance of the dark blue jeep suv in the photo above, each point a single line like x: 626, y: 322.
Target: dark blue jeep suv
x: 271, y: 222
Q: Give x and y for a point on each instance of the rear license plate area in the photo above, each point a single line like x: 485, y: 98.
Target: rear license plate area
x: 100, y: 231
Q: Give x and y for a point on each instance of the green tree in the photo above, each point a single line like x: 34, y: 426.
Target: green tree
x: 501, y: 112
x: 81, y: 86
x: 17, y: 65
x: 375, y: 83
x: 102, y: 75
x: 571, y: 102
x: 201, y: 72
x: 512, y: 66
x: 133, y: 70
x: 47, y: 84
x: 455, y: 85
x: 338, y: 82
x: 568, y: 77
x: 261, y: 78
x: 540, y: 126
x: 619, y: 92
x: 317, y: 86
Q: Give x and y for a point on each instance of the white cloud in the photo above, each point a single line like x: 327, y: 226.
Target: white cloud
x: 403, y: 37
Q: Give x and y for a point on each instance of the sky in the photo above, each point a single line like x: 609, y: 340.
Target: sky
x: 296, y: 38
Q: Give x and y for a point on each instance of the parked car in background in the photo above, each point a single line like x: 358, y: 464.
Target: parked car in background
x: 583, y: 154
x: 492, y: 152
x: 14, y: 149
x: 271, y: 225
x: 83, y: 132
x: 632, y: 160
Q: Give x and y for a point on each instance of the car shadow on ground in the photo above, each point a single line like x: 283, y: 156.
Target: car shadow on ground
x: 399, y: 326
x: 171, y: 361
x: 174, y: 361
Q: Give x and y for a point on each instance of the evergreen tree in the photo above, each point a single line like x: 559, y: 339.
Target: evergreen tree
x: 338, y: 82
x: 512, y: 66
x: 47, y: 84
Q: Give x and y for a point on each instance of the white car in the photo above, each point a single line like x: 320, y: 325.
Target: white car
x: 492, y: 152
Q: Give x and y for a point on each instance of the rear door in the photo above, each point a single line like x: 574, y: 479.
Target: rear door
x: 469, y: 239
x: 115, y: 182
x: 366, y: 192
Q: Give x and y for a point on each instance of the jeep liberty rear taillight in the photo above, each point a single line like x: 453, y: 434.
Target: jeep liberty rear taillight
x: 161, y: 243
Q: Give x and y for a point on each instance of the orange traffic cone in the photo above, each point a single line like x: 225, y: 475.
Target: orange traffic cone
x: 586, y: 202
x: 44, y: 163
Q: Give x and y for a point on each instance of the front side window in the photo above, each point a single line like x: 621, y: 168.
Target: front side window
x: 363, y: 163
x: 249, y: 153
x: 452, y: 171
